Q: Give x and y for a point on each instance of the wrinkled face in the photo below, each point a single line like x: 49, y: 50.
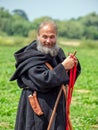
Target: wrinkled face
x: 47, y: 36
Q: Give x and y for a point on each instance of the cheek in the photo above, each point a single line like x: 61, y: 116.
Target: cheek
x: 53, y: 40
x: 41, y: 40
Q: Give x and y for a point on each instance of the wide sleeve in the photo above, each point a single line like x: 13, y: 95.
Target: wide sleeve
x: 42, y: 79
x: 78, y: 69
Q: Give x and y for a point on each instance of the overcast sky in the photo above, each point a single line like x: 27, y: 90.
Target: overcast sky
x: 57, y: 9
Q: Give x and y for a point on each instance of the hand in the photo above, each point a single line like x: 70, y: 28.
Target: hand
x: 69, y: 62
x: 75, y: 59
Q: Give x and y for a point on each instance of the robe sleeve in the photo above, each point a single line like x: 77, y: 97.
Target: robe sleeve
x: 78, y: 69
x: 40, y: 78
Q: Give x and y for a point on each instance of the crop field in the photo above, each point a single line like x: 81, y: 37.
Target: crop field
x: 84, y: 105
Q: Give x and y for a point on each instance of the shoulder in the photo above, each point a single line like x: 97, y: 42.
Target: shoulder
x: 31, y: 45
x: 61, y: 52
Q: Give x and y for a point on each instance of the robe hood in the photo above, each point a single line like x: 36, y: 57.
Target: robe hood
x: 26, y: 58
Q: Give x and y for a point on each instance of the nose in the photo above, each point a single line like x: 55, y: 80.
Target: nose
x: 48, y: 40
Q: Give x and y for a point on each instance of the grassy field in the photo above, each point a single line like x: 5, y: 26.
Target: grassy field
x: 84, y: 106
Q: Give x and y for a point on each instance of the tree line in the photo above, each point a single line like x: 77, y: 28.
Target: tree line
x: 17, y: 23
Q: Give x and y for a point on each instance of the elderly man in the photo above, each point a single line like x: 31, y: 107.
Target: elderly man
x: 33, y: 75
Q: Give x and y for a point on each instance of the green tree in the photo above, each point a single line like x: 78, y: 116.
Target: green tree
x: 5, y: 20
x: 70, y: 29
x: 91, y: 32
x: 20, y: 13
x: 90, y: 19
x: 18, y: 24
x: 37, y: 21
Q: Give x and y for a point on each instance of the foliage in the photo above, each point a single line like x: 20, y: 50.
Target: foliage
x: 13, y: 24
x: 37, y: 21
x: 84, y: 106
x: 17, y: 24
x: 20, y: 13
x: 32, y: 35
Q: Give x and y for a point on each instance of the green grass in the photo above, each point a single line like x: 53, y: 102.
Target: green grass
x: 9, y: 92
x: 84, y: 106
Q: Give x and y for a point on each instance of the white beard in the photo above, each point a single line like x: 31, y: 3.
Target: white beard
x: 53, y: 51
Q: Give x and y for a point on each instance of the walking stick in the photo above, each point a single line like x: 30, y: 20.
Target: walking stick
x: 55, y: 108
x: 57, y: 100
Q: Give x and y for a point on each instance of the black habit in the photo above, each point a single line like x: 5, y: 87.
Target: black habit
x: 32, y: 74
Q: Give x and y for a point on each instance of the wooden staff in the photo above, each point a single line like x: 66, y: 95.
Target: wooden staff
x: 63, y: 88
x: 55, y: 108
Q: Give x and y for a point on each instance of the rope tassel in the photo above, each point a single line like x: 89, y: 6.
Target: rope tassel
x: 69, y: 96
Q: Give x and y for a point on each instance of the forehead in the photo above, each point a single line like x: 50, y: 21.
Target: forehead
x: 47, y: 29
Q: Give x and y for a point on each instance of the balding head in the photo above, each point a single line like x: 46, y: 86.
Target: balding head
x: 49, y: 23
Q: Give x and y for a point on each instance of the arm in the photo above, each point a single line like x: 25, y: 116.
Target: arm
x: 40, y: 78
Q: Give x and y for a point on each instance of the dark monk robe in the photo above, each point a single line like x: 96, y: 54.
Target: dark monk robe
x: 33, y: 75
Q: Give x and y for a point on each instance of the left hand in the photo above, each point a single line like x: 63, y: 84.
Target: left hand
x: 75, y: 59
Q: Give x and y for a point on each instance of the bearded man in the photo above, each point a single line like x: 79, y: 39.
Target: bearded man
x: 33, y: 75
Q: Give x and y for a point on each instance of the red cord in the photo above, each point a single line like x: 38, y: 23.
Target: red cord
x: 69, y: 92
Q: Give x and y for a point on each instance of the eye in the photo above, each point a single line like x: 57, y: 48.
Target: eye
x: 52, y: 36
x: 44, y: 36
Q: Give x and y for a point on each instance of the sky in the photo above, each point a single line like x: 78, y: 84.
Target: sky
x: 57, y: 9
